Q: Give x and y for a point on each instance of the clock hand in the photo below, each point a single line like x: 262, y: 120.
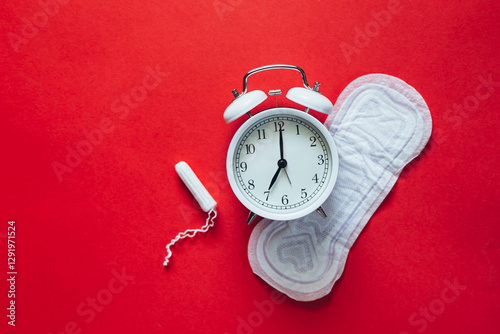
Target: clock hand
x: 286, y: 173
x: 281, y: 145
x: 275, y: 177
x: 281, y: 155
x: 281, y: 165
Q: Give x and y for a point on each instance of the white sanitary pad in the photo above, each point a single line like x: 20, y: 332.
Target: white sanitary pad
x: 379, y: 124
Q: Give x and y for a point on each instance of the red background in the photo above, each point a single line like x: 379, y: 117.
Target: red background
x: 118, y: 208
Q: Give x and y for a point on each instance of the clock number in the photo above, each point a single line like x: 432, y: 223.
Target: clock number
x: 321, y: 159
x: 284, y: 199
x: 263, y: 136
x: 267, y: 192
x: 243, y: 167
x: 313, y: 140
x: 251, y: 184
x: 303, y: 193
x: 250, y: 148
x: 315, y: 178
x: 278, y: 126
x: 298, y: 132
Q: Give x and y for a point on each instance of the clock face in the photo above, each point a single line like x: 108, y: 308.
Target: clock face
x: 282, y: 164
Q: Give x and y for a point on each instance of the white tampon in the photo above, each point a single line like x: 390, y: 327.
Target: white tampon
x: 195, y: 186
x: 201, y: 194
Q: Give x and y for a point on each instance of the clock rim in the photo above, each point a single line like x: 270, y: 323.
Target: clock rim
x: 315, y: 203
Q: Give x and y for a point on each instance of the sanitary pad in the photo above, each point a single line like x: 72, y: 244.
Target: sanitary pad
x: 379, y: 125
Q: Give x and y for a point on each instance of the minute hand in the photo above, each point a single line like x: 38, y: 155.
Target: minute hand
x: 281, y: 145
x: 282, y: 156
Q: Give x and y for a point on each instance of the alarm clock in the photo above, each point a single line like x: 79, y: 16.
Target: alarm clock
x: 282, y: 163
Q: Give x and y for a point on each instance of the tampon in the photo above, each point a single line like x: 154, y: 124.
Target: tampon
x: 195, y: 186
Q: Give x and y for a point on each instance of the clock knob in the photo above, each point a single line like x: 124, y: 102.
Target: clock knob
x: 243, y: 104
x: 310, y: 99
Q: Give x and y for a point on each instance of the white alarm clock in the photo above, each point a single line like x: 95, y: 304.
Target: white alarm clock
x: 282, y: 163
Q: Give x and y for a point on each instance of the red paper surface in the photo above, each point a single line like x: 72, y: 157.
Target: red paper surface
x: 90, y: 236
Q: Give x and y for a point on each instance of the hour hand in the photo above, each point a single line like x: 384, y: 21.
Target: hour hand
x: 275, y: 177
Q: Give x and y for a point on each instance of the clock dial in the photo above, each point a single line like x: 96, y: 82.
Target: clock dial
x: 282, y: 163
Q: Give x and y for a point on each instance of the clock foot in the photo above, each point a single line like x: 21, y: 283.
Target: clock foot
x: 251, y: 217
x: 321, y: 212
